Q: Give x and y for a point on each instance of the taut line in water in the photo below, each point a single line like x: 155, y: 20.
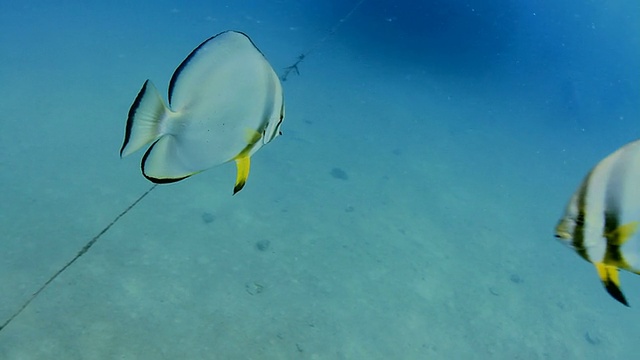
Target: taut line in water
x: 82, y: 251
x: 334, y: 29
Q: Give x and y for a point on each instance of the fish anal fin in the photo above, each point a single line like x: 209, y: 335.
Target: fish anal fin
x: 161, y: 163
x: 620, y: 235
x: 611, y: 280
x: 243, y: 163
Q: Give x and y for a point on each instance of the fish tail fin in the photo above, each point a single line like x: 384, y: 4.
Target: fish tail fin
x: 242, y: 163
x: 611, y: 280
x: 145, y: 117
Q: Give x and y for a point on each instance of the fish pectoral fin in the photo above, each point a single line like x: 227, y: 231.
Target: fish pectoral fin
x: 252, y: 136
x: 611, y: 280
x: 243, y: 164
x: 620, y: 235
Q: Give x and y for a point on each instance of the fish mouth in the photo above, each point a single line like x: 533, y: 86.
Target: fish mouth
x: 562, y: 235
x: 564, y: 229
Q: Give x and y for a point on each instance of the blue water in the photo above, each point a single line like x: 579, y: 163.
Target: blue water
x: 406, y: 213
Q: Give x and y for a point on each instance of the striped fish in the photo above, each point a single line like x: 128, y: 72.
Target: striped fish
x: 601, y: 220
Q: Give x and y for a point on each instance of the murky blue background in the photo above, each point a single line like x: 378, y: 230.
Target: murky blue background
x: 407, y: 212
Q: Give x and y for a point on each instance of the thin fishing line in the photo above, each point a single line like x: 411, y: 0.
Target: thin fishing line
x: 82, y: 251
x: 91, y: 242
x: 304, y: 55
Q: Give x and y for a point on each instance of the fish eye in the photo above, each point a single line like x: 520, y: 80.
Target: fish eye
x: 279, y: 132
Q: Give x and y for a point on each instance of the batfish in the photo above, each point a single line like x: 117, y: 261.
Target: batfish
x: 225, y: 103
x: 601, y: 220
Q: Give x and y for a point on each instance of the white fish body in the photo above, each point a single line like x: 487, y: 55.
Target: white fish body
x: 225, y: 103
x: 602, y: 217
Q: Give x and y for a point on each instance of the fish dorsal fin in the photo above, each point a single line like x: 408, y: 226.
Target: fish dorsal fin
x: 611, y: 280
x: 228, y: 47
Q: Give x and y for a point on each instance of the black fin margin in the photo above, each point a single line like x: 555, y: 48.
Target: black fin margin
x: 238, y: 187
x: 615, y: 292
x: 185, y: 62
x: 156, y: 180
x: 132, y: 113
